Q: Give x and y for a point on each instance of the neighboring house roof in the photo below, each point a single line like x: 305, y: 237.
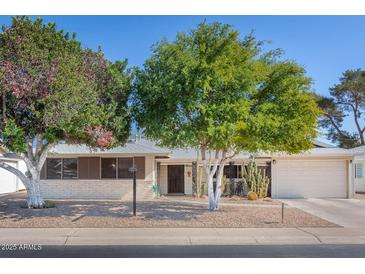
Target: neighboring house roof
x: 322, y: 144
x: 6, y: 156
x: 131, y: 147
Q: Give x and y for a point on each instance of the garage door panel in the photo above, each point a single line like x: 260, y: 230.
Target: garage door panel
x: 7, y: 180
x: 311, y: 178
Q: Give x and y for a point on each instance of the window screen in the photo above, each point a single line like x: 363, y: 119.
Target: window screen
x: 69, y: 170
x: 123, y: 168
x: 108, y: 168
x: 54, y: 168
x: 231, y: 171
x: 358, y: 170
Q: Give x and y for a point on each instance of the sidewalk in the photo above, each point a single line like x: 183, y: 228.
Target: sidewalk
x: 181, y: 236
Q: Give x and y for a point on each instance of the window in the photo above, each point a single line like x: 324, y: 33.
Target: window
x: 69, y: 169
x: 108, y: 168
x: 61, y: 169
x: 228, y: 173
x: 54, y: 168
x: 358, y: 170
x: 234, y: 173
x: 123, y: 168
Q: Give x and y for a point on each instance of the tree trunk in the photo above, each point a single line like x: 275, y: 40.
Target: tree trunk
x: 211, y: 203
x: 35, y: 199
x: 210, y: 170
x: 32, y: 185
x: 218, y: 191
x: 209, y: 173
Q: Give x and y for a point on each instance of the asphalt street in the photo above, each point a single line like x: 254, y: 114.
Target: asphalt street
x: 198, y: 251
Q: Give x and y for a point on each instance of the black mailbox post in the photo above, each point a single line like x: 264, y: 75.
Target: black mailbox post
x: 134, y: 171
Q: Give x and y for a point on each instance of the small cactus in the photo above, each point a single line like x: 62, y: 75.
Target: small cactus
x: 255, y: 180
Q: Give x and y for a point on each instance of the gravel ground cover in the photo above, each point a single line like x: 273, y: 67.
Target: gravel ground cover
x: 157, y: 213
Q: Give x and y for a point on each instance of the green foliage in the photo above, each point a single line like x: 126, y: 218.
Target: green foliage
x: 13, y: 137
x: 58, y: 89
x: 254, y: 180
x: 347, y: 98
x: 210, y: 87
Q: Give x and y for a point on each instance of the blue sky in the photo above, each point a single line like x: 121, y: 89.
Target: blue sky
x: 325, y: 45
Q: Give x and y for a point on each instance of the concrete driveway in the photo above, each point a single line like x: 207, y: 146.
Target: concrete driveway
x: 343, y: 212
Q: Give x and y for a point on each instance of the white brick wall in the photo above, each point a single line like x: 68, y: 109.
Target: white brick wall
x: 96, y: 189
x: 101, y: 189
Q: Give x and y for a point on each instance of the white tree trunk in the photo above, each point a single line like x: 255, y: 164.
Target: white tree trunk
x: 34, y: 163
x: 218, y: 191
x: 32, y: 185
x: 210, y: 169
x: 211, y: 203
x: 35, y: 199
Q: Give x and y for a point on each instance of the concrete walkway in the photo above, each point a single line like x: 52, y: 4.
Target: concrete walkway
x: 181, y: 236
x: 348, y: 213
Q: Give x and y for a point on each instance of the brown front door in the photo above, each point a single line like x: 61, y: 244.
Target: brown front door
x: 175, y: 176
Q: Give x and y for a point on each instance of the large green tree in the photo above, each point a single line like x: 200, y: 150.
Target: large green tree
x: 347, y: 98
x: 221, y: 94
x: 54, y: 89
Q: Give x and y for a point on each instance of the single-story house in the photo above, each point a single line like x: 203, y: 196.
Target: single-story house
x: 8, y: 181
x: 77, y: 172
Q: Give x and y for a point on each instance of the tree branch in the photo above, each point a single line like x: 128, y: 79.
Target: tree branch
x: 30, y: 150
x: 43, y: 155
x: 360, y: 131
x: 15, y: 171
x: 339, y: 131
x: 354, y: 108
x: 39, y: 146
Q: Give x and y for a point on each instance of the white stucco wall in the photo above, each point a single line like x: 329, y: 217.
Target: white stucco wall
x: 188, y: 180
x: 359, y: 183
x: 163, y: 179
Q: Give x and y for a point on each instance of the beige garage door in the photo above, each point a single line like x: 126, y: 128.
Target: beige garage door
x: 310, y: 179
